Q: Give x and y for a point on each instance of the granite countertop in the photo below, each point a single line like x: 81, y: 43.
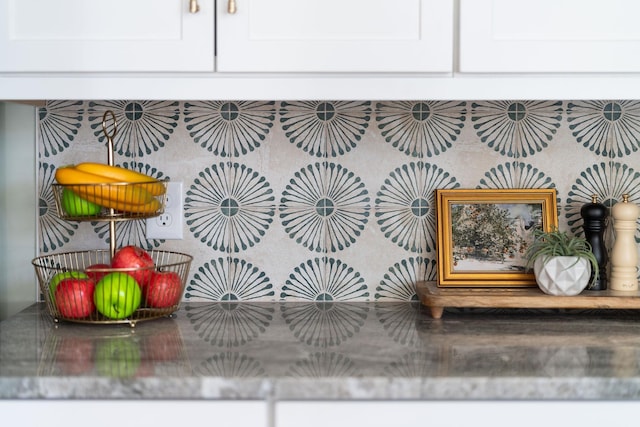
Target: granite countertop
x: 290, y: 350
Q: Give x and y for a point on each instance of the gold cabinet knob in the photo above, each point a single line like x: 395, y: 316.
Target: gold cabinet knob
x: 194, y: 7
x: 231, y: 7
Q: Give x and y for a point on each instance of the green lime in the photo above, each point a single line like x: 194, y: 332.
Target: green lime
x: 74, y: 205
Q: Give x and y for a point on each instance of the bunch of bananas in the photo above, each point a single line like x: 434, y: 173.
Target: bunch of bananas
x: 112, y: 186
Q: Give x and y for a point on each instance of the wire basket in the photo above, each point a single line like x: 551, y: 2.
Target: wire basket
x: 82, y: 287
x: 110, y: 201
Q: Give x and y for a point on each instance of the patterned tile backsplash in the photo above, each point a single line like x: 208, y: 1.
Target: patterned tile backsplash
x: 324, y: 200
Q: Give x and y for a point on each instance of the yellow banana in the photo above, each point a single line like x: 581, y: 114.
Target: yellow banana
x: 67, y: 175
x: 152, y: 185
x: 149, y: 207
x: 113, y: 195
x: 108, y: 192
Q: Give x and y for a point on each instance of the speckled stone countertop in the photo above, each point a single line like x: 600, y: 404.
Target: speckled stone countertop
x: 314, y: 351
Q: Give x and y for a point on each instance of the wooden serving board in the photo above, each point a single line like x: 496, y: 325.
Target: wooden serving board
x: 437, y: 298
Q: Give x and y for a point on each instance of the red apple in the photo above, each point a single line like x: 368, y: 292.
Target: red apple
x: 53, y: 283
x: 137, y: 261
x: 97, y: 271
x: 74, y: 297
x: 164, y: 289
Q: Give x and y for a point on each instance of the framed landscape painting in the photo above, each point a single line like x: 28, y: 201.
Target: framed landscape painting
x: 483, y: 234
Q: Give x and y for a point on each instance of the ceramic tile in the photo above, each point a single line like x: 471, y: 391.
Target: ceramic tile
x: 345, y: 224
x: 137, y: 128
x: 468, y: 161
x: 208, y: 228
x: 277, y: 255
x: 388, y: 270
x: 561, y: 164
x: 301, y: 198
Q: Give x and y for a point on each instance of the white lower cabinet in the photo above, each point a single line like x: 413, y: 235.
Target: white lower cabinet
x: 452, y: 413
x: 110, y: 413
x: 242, y: 413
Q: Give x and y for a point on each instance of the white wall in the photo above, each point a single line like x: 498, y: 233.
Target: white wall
x: 18, y: 208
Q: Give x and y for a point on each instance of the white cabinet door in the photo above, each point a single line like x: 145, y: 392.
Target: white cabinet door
x: 549, y: 36
x: 336, y: 36
x: 407, y: 413
x: 121, y: 413
x: 106, y: 35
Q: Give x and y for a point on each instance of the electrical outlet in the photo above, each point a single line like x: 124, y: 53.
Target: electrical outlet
x: 168, y: 225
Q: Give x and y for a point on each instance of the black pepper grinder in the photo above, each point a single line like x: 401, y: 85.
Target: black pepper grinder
x: 594, y: 216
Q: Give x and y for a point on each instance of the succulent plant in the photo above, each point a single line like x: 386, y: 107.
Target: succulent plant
x: 548, y: 244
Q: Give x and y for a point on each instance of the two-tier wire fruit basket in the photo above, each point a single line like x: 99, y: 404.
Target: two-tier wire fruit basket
x: 87, y: 286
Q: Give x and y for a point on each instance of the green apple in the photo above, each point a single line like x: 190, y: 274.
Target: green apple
x: 117, y: 295
x: 118, y: 357
x: 53, y: 283
x: 75, y: 205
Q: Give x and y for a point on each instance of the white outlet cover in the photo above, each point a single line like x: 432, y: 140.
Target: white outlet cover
x: 168, y: 226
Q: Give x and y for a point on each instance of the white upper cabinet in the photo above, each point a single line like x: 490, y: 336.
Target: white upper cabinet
x: 564, y: 36
x: 319, y: 49
x: 106, y: 35
x: 335, y: 36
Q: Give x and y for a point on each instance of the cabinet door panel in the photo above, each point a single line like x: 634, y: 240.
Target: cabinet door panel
x: 138, y: 412
x: 106, y: 35
x: 549, y: 36
x: 336, y: 35
x: 408, y: 413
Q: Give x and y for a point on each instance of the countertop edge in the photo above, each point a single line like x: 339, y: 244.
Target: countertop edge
x: 376, y: 388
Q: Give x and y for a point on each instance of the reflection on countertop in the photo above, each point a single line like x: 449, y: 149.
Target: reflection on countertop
x: 325, y: 351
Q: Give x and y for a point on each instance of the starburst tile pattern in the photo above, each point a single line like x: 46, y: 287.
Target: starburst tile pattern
x: 229, y: 206
x: 229, y: 279
x: 320, y: 200
x: 515, y: 175
x: 516, y: 128
x: 399, y: 283
x: 54, y: 232
x: 608, y: 128
x: 325, y: 128
x: 227, y: 128
x: 143, y: 127
x: 502, y: 176
x: 421, y: 128
x: 324, y: 279
x: 609, y: 181
x: 58, y: 124
x: 406, y: 213
x: 324, y: 207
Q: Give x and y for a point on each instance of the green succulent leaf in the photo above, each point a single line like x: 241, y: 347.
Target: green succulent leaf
x: 554, y: 243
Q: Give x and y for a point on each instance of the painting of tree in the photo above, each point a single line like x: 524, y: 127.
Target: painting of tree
x: 491, y: 234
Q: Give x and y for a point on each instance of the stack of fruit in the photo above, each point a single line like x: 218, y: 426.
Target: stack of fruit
x: 133, y: 280
x: 83, y: 190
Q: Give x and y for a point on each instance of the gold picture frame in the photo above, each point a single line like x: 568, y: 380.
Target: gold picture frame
x: 482, y: 234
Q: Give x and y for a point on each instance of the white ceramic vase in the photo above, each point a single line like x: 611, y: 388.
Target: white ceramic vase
x: 562, y: 275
